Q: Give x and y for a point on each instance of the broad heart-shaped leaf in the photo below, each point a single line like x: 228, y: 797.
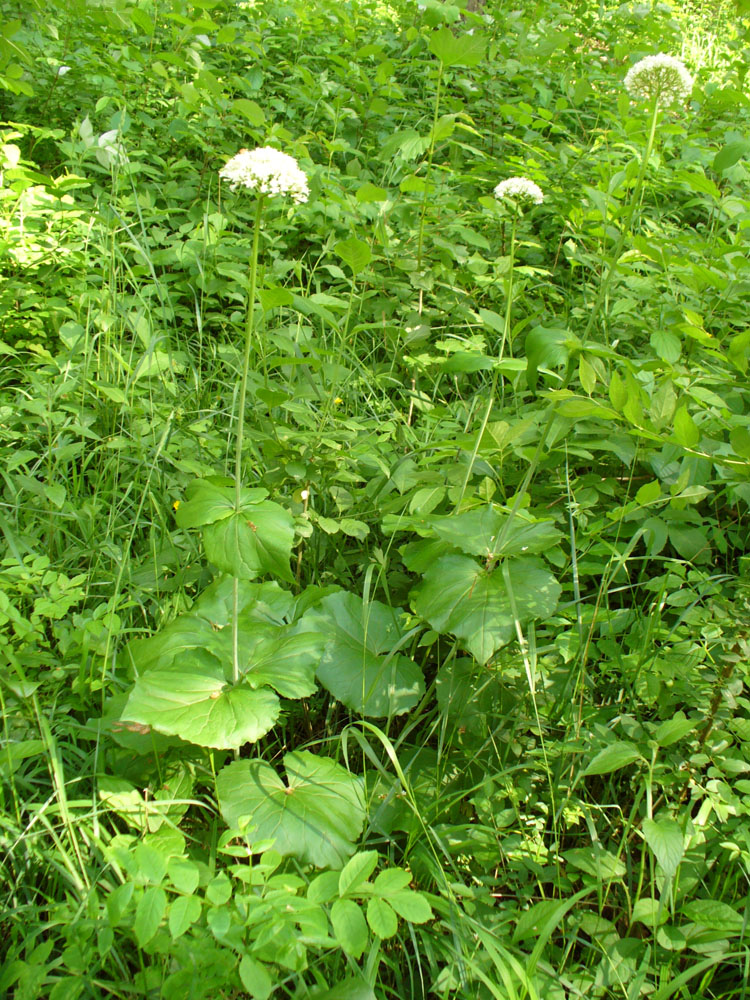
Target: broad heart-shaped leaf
x: 460, y: 596
x: 198, y: 705
x: 286, y: 660
x: 258, y: 601
x: 356, y: 253
x: 358, y: 666
x: 209, y: 501
x: 478, y: 532
x: 256, y: 539
x: 454, y: 50
x: 317, y: 816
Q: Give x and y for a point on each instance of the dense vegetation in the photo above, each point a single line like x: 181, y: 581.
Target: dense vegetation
x: 423, y: 673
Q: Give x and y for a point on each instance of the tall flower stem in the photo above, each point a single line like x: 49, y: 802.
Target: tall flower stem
x: 249, y: 331
x: 506, y: 338
x: 249, y: 334
x: 428, y: 172
x: 601, y: 295
x: 635, y: 200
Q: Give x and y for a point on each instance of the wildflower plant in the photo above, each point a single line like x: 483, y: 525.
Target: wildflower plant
x: 661, y: 78
x: 514, y: 192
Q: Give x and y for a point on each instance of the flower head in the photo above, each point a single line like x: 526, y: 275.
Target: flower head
x: 519, y: 190
x: 662, y: 77
x: 266, y: 170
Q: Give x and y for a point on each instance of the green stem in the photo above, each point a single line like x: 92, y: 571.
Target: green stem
x: 249, y: 332
x: 428, y: 172
x: 626, y: 229
x: 496, y: 373
x: 604, y: 287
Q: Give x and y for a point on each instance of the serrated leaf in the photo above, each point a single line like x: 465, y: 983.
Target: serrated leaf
x: 199, y: 706
x: 457, y: 50
x: 613, y: 757
x: 714, y: 914
x: 391, y: 880
x: 381, y: 918
x: 355, y: 253
x: 357, y: 666
x: 461, y: 597
x: 349, y: 927
x: 316, y: 816
x: 255, y: 978
x: 149, y: 913
x: 183, y: 913
x: 257, y: 539
x: 667, y: 841
x: 411, y: 905
x: 356, y: 871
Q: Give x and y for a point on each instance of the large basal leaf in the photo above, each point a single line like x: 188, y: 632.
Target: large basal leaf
x: 316, y: 816
x: 184, y: 636
x: 209, y: 501
x: 285, y: 661
x: 257, y: 601
x: 254, y: 540
x: 358, y: 666
x: 490, y: 531
x: 459, y: 596
x: 197, y: 704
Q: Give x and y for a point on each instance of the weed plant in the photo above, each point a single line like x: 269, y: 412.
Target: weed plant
x: 374, y: 603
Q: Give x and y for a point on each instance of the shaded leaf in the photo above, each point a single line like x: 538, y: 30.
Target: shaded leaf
x: 667, y: 841
x: 459, y: 596
x: 349, y: 927
x: 356, y: 666
x: 316, y: 816
x: 613, y: 757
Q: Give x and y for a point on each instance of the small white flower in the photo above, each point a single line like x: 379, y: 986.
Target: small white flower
x: 519, y: 189
x: 266, y: 170
x: 62, y: 70
x: 660, y: 76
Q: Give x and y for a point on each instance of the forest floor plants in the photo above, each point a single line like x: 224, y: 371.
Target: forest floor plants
x: 451, y: 699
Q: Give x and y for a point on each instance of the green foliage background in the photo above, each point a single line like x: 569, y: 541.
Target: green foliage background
x: 449, y: 696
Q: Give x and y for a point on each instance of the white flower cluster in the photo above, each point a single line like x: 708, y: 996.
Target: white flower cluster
x: 268, y: 171
x: 662, y: 77
x: 519, y: 189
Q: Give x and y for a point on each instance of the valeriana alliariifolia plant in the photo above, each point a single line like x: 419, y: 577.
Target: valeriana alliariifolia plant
x: 513, y: 194
x: 268, y: 172
x: 661, y: 80
x: 210, y: 697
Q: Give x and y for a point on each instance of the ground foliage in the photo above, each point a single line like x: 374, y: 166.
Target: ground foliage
x: 448, y: 698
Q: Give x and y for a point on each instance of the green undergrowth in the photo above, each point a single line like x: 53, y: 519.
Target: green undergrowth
x: 437, y: 685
